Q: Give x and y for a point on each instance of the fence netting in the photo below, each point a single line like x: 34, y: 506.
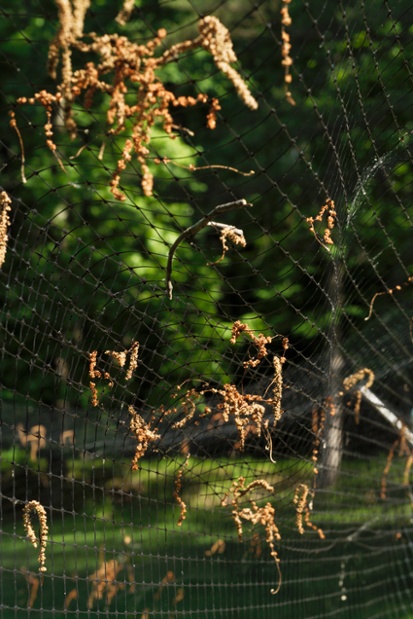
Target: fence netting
x: 206, y: 214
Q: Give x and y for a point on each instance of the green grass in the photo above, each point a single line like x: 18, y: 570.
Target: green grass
x: 107, y: 512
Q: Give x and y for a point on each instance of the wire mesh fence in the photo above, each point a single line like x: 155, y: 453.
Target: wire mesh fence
x: 206, y: 325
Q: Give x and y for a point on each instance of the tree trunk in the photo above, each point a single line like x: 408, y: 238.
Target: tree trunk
x: 332, y: 437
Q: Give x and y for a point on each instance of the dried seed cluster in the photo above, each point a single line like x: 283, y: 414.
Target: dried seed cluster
x: 124, y: 70
x: 120, y: 358
x: 178, y: 490
x: 300, y: 501
x: 5, y: 208
x: 125, y: 12
x: 351, y: 381
x: 265, y: 516
x: 35, y: 437
x: 215, y: 38
x: 318, y: 423
x: 168, y: 579
x: 95, y: 373
x: 188, y: 407
x: 278, y: 388
x: 34, y: 585
x: 402, y: 445
x: 287, y: 61
x: 104, y: 582
x: 238, y: 328
x: 327, y: 209
x: 143, y: 434
x: 229, y: 233
x: 246, y: 410
x: 217, y: 547
x: 35, y: 506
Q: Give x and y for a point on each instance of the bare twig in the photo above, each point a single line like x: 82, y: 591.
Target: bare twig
x: 192, y: 230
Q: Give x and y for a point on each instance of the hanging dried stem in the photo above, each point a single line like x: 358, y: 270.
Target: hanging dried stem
x: 34, y: 584
x: 95, y: 373
x: 300, y: 505
x: 403, y: 450
x: 121, y: 358
x: 238, y: 328
x: 133, y: 360
x: 351, y: 381
x: 278, y: 387
x: 255, y: 547
x: 240, y: 490
x: 246, y: 410
x: 318, y: 423
x: 268, y: 446
x: 71, y: 15
x: 231, y: 233
x: 70, y: 597
x: 104, y: 583
x: 5, y: 208
x: 303, y: 510
x: 126, y: 68
x: 13, y: 125
x: 277, y: 382
x: 389, y: 291
x: 329, y: 209
x: 217, y: 547
x: 215, y: 38
x: 35, y: 437
x: 168, y: 579
x: 143, y: 434
x: 188, y: 407
x: 389, y: 460
x: 406, y: 474
x: 35, y: 506
x: 47, y: 100
x: 264, y: 516
x: 178, y: 490
x: 178, y: 597
x: 125, y: 12
x: 287, y: 61
x: 193, y: 230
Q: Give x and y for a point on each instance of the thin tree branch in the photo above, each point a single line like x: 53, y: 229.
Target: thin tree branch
x: 217, y: 224
x: 192, y: 230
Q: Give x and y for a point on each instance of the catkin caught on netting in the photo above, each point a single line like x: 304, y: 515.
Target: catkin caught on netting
x: 39, y: 541
x: 126, y: 68
x: 5, y: 209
